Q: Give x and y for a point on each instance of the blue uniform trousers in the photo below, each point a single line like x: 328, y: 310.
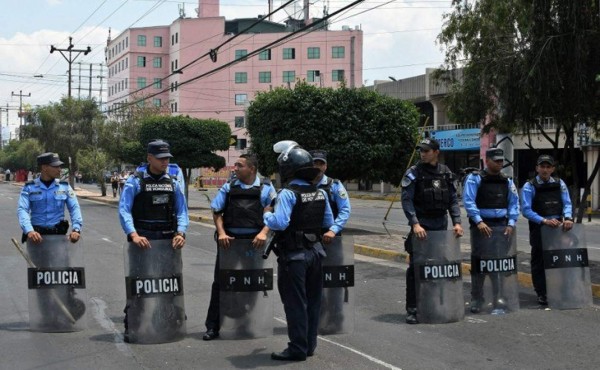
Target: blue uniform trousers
x: 300, y: 284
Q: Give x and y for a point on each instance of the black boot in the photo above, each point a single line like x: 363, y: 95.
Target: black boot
x: 411, y: 315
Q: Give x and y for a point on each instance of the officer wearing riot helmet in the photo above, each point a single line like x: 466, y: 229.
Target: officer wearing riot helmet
x: 428, y: 194
x: 301, y: 212
x: 491, y: 200
x: 545, y: 200
x: 238, y: 213
x: 152, y: 206
x: 41, y: 208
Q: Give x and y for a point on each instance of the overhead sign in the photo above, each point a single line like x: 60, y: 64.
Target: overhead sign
x: 467, y: 139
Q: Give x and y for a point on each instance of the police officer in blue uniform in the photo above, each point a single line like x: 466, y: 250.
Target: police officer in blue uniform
x: 301, y: 212
x: 428, y: 194
x: 490, y: 199
x: 238, y: 213
x: 173, y: 170
x: 545, y: 200
x: 41, y: 208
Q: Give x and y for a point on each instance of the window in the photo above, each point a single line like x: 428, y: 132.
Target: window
x: 241, y: 99
x: 141, y: 40
x: 337, y: 52
x: 265, y: 55
x: 141, y: 61
x: 157, y: 41
x: 141, y: 82
x: 337, y: 75
x: 126, y: 62
x: 241, y: 144
x: 239, y: 121
x: 157, y: 102
x: 141, y: 103
x: 127, y: 41
x: 240, y: 53
x: 313, y: 76
x: 176, y: 41
x: 314, y: 53
x: 241, y: 77
x: 289, y: 53
x: 264, y: 77
x: 157, y: 62
x: 157, y: 83
x: 173, y: 107
x: 289, y: 76
x: 172, y: 39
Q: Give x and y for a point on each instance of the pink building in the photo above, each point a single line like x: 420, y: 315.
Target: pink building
x: 150, y: 58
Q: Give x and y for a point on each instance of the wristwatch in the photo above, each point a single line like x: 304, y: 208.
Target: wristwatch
x: 76, y: 231
x: 180, y: 234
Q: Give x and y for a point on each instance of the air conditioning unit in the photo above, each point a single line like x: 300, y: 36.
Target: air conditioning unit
x: 345, y: 28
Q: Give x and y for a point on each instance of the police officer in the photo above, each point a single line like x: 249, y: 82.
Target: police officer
x: 238, y: 213
x: 301, y: 212
x: 41, y: 208
x: 490, y: 199
x: 152, y: 205
x: 173, y: 170
x: 545, y: 200
x: 428, y: 194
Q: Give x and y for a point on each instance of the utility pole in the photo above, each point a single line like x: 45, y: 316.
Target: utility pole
x: 70, y: 59
x: 20, y: 95
x: 1, y: 109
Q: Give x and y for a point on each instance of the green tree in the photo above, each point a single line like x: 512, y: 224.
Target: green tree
x: 368, y: 136
x: 21, y: 154
x: 66, y: 128
x: 193, y: 141
x: 93, y: 163
x: 525, y: 60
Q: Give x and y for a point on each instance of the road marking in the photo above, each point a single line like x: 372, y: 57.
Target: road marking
x: 368, y: 357
x: 107, y: 240
x: 107, y: 324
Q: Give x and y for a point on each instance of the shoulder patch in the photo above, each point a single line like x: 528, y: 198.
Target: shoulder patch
x: 406, y: 180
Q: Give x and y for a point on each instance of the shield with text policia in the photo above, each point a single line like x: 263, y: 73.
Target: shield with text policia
x: 438, y: 278
x: 337, y: 306
x: 568, y: 283
x: 245, y: 297
x: 494, y: 271
x: 154, y: 286
x: 56, y: 284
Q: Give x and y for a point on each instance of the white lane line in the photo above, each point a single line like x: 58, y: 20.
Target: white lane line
x: 107, y: 240
x: 368, y: 357
x: 107, y: 324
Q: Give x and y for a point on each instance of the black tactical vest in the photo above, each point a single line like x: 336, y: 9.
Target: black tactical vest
x: 307, y: 217
x: 243, y: 208
x: 432, y: 190
x: 153, y: 208
x: 492, y: 192
x: 332, y: 203
x: 547, y: 200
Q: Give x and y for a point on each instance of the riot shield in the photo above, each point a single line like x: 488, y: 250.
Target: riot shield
x: 155, y: 311
x: 495, y: 287
x: 568, y: 283
x: 57, y: 296
x: 438, y: 278
x: 337, y: 306
x: 246, y: 297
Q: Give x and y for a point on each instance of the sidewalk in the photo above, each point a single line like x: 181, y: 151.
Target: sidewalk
x: 383, y: 246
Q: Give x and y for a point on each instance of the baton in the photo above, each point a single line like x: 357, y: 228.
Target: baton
x: 53, y: 295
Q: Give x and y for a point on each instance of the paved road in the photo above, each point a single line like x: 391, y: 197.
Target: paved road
x: 528, y: 339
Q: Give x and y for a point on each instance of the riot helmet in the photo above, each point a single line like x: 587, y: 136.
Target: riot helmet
x: 294, y: 162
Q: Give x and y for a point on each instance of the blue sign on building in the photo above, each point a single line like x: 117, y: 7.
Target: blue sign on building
x: 467, y: 139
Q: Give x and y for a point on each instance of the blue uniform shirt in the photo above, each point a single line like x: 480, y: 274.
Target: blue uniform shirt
x: 174, y: 171
x: 340, y: 197
x: 219, y: 203
x: 528, y: 193
x: 475, y: 214
x: 45, y: 206
x: 132, y: 188
x: 279, y: 219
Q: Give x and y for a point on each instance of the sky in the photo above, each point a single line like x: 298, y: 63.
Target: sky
x: 399, y: 40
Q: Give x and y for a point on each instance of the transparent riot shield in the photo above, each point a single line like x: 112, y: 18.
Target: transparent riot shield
x: 246, y: 291
x: 57, y: 296
x: 495, y: 287
x: 155, y: 311
x: 337, y: 306
x: 568, y: 283
x: 438, y: 278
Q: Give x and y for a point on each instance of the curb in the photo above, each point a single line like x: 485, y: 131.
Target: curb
x: 524, y: 278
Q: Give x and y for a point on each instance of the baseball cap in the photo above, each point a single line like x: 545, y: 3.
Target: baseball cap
x: 49, y: 159
x: 545, y: 158
x: 159, y: 149
x: 495, y: 154
x: 319, y: 155
x: 429, y: 144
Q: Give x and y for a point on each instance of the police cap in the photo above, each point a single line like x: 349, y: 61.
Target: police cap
x: 545, y: 158
x: 50, y: 159
x: 429, y: 144
x: 159, y: 149
x: 319, y: 155
x: 495, y: 154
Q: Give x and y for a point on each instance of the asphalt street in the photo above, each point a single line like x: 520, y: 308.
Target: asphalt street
x: 530, y: 338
